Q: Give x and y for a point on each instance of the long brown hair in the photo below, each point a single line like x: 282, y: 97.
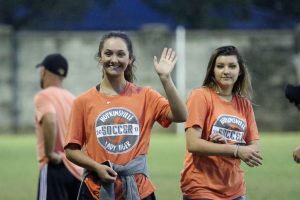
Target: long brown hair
x: 129, y: 72
x: 242, y: 86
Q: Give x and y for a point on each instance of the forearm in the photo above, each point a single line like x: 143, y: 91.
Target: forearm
x: 195, y: 144
x: 81, y: 159
x: 203, y: 147
x: 178, y: 108
x: 49, y: 133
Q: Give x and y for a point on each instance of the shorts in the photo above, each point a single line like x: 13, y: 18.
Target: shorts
x: 238, y: 198
x: 57, y: 183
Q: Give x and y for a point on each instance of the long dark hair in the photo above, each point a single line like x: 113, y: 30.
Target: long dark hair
x: 129, y: 72
x: 242, y: 86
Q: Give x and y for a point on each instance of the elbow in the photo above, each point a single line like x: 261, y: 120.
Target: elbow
x: 181, y: 118
x: 192, y: 148
x: 48, y: 155
x: 68, y: 154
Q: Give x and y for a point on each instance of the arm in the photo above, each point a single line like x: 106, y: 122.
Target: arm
x: 164, y: 68
x: 75, y: 155
x: 200, y: 146
x: 49, y: 132
x: 249, y: 154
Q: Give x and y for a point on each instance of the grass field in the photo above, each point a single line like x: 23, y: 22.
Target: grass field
x: 278, y: 178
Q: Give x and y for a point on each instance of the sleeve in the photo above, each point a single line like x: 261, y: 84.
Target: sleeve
x: 76, y: 128
x: 197, y: 107
x: 42, y: 106
x: 160, y: 107
x: 252, y: 131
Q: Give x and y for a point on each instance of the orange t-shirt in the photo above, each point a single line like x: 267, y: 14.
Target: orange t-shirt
x: 217, y: 177
x: 117, y: 128
x: 59, y: 101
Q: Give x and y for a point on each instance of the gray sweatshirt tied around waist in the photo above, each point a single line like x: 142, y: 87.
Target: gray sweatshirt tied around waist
x: 126, y: 172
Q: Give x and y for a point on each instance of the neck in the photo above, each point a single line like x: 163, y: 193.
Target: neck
x: 112, y: 87
x: 53, y: 84
x: 224, y: 92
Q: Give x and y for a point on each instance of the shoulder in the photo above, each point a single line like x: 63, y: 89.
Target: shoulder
x: 133, y: 88
x: 44, y: 93
x: 244, y: 101
x: 88, y: 94
x: 200, y: 91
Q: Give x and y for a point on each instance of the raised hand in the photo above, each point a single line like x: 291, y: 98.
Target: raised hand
x: 166, y: 62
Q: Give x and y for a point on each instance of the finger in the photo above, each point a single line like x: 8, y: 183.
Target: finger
x: 111, y: 172
x: 256, y: 159
x: 155, y: 60
x: 169, y: 52
x: 255, y: 162
x: 163, y: 55
x: 249, y: 164
x: 257, y: 155
x: 172, y: 56
x: 109, y: 179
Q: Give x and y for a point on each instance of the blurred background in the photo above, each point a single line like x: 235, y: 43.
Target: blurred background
x: 267, y: 33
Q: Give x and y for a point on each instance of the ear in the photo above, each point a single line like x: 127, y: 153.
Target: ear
x: 130, y: 61
x: 100, y: 60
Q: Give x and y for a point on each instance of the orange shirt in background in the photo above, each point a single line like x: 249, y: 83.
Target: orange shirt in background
x: 117, y: 128
x: 217, y: 177
x: 58, y: 101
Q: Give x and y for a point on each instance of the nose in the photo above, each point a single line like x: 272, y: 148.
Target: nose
x: 114, y: 59
x: 226, y: 70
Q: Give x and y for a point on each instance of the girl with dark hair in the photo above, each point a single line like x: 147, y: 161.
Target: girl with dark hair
x: 220, y: 131
x: 112, y: 122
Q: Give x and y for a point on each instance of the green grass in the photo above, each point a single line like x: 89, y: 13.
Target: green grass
x: 278, y: 178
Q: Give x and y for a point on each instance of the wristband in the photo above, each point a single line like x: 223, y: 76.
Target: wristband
x: 235, y: 153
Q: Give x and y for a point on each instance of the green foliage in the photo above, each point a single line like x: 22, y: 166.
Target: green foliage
x: 276, y: 179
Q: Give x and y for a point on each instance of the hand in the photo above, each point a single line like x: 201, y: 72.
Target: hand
x: 296, y: 154
x: 166, y: 63
x: 106, y: 174
x: 218, y: 138
x: 55, y: 158
x: 249, y: 155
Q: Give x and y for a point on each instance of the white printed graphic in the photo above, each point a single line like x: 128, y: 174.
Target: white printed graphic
x: 231, y: 127
x: 117, y: 130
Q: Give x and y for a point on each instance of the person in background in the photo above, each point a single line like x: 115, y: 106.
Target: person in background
x: 220, y: 131
x: 292, y: 93
x: 113, y: 122
x: 59, y: 179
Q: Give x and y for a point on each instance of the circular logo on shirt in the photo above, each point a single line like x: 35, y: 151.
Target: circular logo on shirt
x: 231, y: 127
x: 117, y: 130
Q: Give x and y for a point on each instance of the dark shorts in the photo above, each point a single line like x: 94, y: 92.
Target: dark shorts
x: 238, y: 198
x: 85, y: 194
x: 57, y: 183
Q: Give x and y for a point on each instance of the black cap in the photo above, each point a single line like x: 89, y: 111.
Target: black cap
x: 56, y: 64
x: 292, y: 93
